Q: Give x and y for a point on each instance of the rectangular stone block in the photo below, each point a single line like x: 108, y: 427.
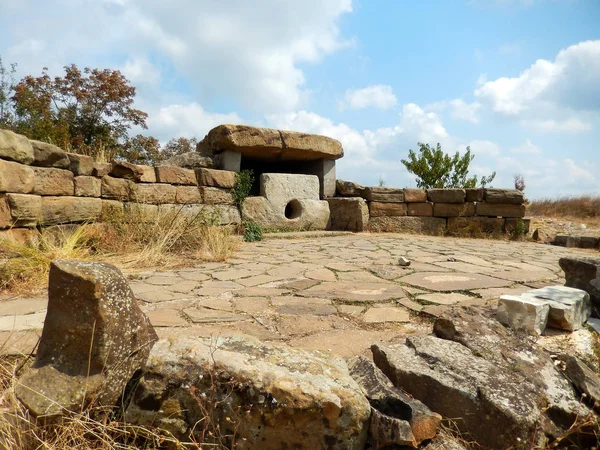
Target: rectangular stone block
x: 87, y: 186
x: 475, y: 225
x: 576, y: 241
x: 415, y: 195
x: 141, y: 212
x: 111, y: 208
x: 379, y: 209
x: 384, y: 195
x: 420, y: 209
x: 511, y: 225
x: 228, y: 160
x: 188, y: 195
x: 124, y: 169
x: 474, y: 195
x: 281, y: 188
x: 155, y: 193
x: 215, y: 196
x: 101, y: 169
x: 402, y: 224
x: 446, y: 195
x: 15, y: 177
x: 148, y: 174
x: 348, y: 214
x: 349, y: 189
x: 499, y: 210
x: 215, y: 178
x: 57, y: 210
x: 50, y: 181
x: 80, y: 164
x: 48, y: 155
x: 20, y: 210
x: 527, y: 314
x: 453, y: 209
x: 15, y: 147
x: 512, y: 196
x: 569, y: 307
x: 217, y: 214
x: 175, y: 175
x: 117, y: 189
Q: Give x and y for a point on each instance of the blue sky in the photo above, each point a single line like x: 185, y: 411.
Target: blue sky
x: 516, y: 80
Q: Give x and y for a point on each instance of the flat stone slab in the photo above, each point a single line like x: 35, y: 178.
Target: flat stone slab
x: 445, y: 299
x: 167, y: 318
x: 205, y: 315
x: 23, y: 306
x: 452, y: 281
x: 21, y: 323
x: 356, y: 291
x: 385, y: 315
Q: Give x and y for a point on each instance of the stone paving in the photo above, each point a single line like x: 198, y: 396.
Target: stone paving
x: 336, y: 293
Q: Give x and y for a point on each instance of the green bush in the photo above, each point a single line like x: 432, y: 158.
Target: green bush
x: 252, y: 232
x: 243, y: 186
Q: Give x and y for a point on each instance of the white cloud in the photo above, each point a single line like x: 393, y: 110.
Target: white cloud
x: 378, y: 96
x: 485, y: 148
x: 526, y: 147
x: 459, y: 109
x: 572, y: 125
x: 577, y: 174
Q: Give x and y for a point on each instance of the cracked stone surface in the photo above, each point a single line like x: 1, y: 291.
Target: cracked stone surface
x: 339, y: 294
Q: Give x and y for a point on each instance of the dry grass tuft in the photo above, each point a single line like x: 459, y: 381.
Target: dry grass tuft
x: 583, y: 207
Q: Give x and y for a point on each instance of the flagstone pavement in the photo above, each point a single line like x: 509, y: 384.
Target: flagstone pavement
x: 338, y: 294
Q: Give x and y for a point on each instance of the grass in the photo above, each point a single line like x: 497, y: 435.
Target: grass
x: 582, y: 207
x: 135, y: 237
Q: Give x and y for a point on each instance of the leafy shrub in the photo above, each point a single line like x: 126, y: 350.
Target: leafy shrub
x: 252, y: 232
x: 243, y: 186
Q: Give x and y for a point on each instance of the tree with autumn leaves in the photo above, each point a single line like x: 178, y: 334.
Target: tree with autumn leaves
x: 86, y: 111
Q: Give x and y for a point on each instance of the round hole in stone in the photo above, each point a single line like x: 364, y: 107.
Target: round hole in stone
x: 293, y: 209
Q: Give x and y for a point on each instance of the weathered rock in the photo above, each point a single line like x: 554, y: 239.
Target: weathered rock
x: 190, y: 160
x: 384, y: 195
x: 503, y: 196
x: 101, y: 169
x: 348, y: 189
x: 397, y: 418
x: 348, y: 214
x: 95, y: 338
x: 446, y: 195
x: 80, y: 164
x: 50, y: 181
x: 188, y: 195
x: 155, y: 193
x: 117, y: 189
x: 474, y: 195
x: 415, y: 195
x: 569, y: 307
x: 175, y: 175
x: 87, y: 186
x: 57, y: 210
x: 215, y: 178
x: 543, y: 235
x: 453, y: 209
x: 48, y: 155
x: 499, y: 209
x: 282, y: 188
x: 419, y: 209
x: 526, y: 314
x: 584, y: 378
x: 576, y: 241
x: 215, y: 196
x: 583, y: 273
x: 20, y: 210
x: 15, y: 177
x: 15, y: 147
x: 425, y: 225
x: 379, y: 209
x: 127, y: 170
x: 403, y: 262
x: 266, y: 143
x: 270, y: 395
x: 476, y: 225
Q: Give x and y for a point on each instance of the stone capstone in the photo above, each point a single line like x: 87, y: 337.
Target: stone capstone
x: 583, y: 273
x: 95, y: 338
x: 396, y: 419
x: 48, y: 155
x: 15, y: 147
x: 348, y: 214
x: 275, y: 394
x: 267, y: 143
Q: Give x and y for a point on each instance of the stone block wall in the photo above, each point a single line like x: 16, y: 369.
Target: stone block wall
x: 41, y: 185
x: 436, y: 211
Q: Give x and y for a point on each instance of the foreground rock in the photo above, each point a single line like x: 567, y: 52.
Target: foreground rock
x: 499, y: 388
x: 396, y: 418
x: 584, y: 273
x: 95, y: 338
x: 272, y: 397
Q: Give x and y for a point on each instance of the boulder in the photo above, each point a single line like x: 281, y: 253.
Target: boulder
x: 48, y: 155
x: 569, y: 307
x: 453, y: 209
x: 50, y: 181
x: 281, y: 188
x: 499, y: 388
x: 348, y: 189
x: 267, y: 143
x: 95, y: 338
x: 215, y: 178
x: 446, y: 195
x: 15, y: 177
x: 499, y: 209
x: 175, y: 175
x: 526, y: 314
x: 270, y: 396
x: 379, y: 209
x: 80, y: 164
x: 384, y: 195
x: 583, y: 273
x: 348, y: 214
x: 503, y: 196
x: 543, y: 235
x: 584, y: 378
x: 15, y: 147
x: 190, y: 160
x: 396, y: 419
